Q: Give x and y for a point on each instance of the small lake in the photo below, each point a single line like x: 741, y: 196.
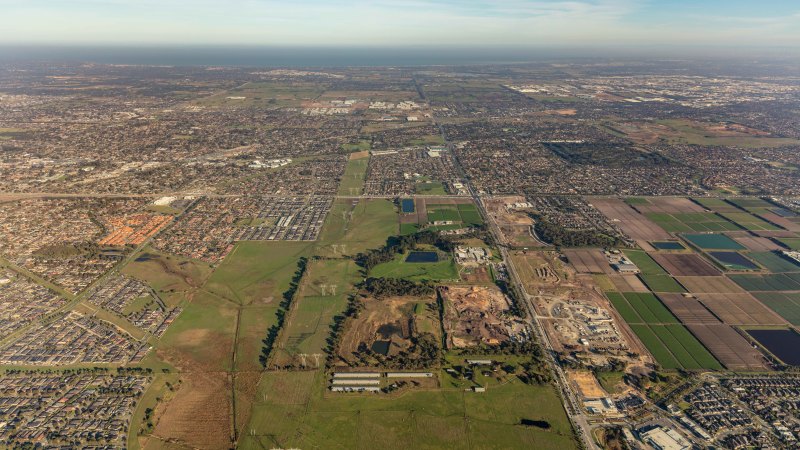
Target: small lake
x: 381, y: 347
x: 733, y: 261
x: 422, y: 257
x: 407, y: 205
x: 785, y: 344
x: 668, y: 245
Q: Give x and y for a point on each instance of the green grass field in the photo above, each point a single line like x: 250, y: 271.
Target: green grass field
x: 715, y: 204
x: 661, y: 283
x: 749, y: 221
x: 691, y: 222
x: 308, y: 324
x: 791, y: 243
x: 787, y: 305
x: 353, y: 179
x: 771, y: 282
x: 775, y: 262
x: 370, y: 224
x: 298, y: 412
x: 430, y: 188
x: 361, y: 146
x: 669, y: 342
x: 445, y: 269
x: 408, y: 228
x: 645, y: 263
x: 713, y: 242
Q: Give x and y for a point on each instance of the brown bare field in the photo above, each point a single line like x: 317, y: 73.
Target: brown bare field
x: 781, y: 221
x: 515, y: 226
x: 668, y: 205
x: 628, y: 283
x: 629, y: 220
x: 757, y: 244
x: 587, y: 384
x: 709, y: 285
x: 740, y: 309
x: 688, y: 309
x: 473, y: 315
x: 359, y: 155
x: 685, y: 264
x: 534, y: 270
x: 476, y: 275
x: 728, y: 346
x: 199, y: 414
x: 589, y: 261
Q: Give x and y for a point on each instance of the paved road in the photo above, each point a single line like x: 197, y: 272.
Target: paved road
x: 571, y: 404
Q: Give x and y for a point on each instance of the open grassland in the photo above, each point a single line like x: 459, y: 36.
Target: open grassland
x: 444, y: 269
x: 257, y: 272
x: 323, y: 293
x: 356, y: 226
x: 685, y: 131
x: 353, y: 179
x: 295, y: 411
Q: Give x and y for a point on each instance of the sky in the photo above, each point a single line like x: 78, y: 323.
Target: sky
x: 397, y: 23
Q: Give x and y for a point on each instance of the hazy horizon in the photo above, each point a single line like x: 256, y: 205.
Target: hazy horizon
x: 390, y: 23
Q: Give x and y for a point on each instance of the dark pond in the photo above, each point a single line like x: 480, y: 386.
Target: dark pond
x: 422, y: 257
x: 668, y: 245
x: 733, y: 260
x: 381, y: 347
x: 785, y: 344
x: 407, y: 205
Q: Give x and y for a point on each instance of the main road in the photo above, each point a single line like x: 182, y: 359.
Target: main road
x: 572, y: 405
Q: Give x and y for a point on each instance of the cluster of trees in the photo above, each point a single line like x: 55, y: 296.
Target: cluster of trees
x: 421, y: 354
x: 393, y: 287
x: 286, y: 302
x: 402, y: 244
x: 563, y: 237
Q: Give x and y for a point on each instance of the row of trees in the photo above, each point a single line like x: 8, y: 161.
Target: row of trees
x: 395, y: 287
x: 288, y: 296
